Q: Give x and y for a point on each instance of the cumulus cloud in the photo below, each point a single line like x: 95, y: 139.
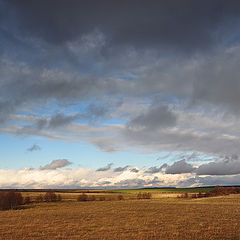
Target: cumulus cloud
x: 55, y: 164
x: 34, y: 147
x: 179, y: 175
x: 85, y: 178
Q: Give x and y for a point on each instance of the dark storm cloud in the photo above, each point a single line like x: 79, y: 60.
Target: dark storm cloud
x: 106, y: 168
x: 59, y: 163
x: 188, y: 24
x: 34, y: 147
x: 217, y: 81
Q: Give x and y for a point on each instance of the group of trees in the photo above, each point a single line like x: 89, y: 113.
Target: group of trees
x: 84, y: 197
x: 52, y: 197
x: 13, y: 200
x: 10, y: 200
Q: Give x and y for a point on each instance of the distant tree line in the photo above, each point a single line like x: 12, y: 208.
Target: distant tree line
x: 84, y: 197
x: 217, y: 191
x: 12, y: 199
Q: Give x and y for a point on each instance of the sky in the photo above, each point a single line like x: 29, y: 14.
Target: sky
x: 119, y: 94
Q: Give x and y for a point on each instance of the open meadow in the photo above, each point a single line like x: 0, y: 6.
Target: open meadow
x: 165, y: 217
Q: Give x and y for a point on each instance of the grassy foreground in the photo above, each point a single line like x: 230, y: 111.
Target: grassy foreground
x: 157, y: 218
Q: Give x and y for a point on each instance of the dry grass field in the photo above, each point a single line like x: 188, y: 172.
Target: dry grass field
x: 157, y: 218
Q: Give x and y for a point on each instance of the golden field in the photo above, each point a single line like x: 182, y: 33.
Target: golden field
x: 165, y: 217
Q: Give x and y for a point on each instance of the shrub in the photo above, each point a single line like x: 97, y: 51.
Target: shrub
x: 102, y: 198
x: 120, y: 197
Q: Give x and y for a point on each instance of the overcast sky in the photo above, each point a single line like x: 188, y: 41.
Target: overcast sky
x: 119, y: 93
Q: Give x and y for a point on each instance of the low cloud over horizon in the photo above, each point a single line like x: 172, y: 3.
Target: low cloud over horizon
x: 179, y: 174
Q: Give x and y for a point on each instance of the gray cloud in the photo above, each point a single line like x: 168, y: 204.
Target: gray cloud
x: 34, y: 147
x: 156, y: 169
x: 196, y: 133
x: 106, y: 168
x: 137, y: 23
x: 211, y: 181
x: 180, y: 167
x: 157, y: 117
x: 217, y: 81
x: 59, y: 163
x: 226, y: 166
x: 58, y: 120
x: 121, y: 169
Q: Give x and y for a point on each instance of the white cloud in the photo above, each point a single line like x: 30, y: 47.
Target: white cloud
x: 85, y: 177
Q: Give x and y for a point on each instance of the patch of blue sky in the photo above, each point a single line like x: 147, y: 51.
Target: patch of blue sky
x: 80, y: 154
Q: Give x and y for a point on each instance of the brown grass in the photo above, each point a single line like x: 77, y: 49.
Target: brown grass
x: 165, y: 218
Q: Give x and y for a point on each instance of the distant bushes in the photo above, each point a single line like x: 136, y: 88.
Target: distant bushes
x: 49, y: 197
x: 217, y: 191
x: 52, y: 197
x: 10, y: 200
x: 84, y: 197
x: 144, y: 196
